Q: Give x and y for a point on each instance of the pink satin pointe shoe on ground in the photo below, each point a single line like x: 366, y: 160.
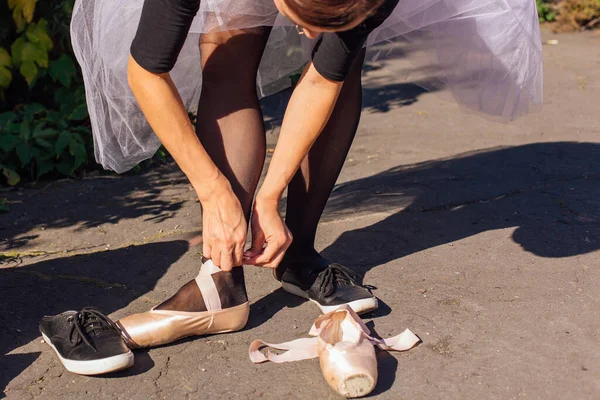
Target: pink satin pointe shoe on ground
x: 345, y: 349
x: 158, y: 327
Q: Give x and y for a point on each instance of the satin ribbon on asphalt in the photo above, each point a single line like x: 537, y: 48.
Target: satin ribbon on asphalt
x: 306, y: 348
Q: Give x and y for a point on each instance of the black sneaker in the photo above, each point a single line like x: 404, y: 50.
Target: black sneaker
x: 86, y: 342
x: 327, y: 285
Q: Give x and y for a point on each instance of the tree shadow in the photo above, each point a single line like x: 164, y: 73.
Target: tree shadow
x: 386, y: 97
x: 266, y: 307
x: 387, y: 365
x: 378, y: 96
x: 109, y: 280
x: 88, y: 204
x: 549, y: 192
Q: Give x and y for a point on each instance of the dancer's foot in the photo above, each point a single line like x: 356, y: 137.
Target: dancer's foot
x: 215, y: 302
x: 231, y: 287
x: 327, y: 285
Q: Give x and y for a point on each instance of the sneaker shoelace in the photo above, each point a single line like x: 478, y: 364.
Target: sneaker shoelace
x: 337, y: 274
x: 90, y: 321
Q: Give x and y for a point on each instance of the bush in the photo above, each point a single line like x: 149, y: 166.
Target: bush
x: 546, y: 10
x: 569, y: 15
x: 36, y: 141
x: 44, y: 125
x: 578, y: 14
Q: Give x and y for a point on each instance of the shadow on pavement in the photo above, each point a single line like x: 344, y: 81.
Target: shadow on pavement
x: 263, y: 309
x: 108, y: 280
x: 548, y: 192
x: 376, y: 98
x: 89, y: 203
x: 387, y: 365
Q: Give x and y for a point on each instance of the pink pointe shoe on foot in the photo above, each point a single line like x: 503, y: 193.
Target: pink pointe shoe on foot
x: 345, y: 349
x: 159, y: 327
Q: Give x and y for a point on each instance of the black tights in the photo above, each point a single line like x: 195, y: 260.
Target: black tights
x: 231, y: 129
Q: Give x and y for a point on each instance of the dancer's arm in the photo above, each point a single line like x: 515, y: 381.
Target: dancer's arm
x: 314, y: 99
x: 224, y: 224
x: 307, y: 114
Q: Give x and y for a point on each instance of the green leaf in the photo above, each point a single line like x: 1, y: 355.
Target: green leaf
x: 45, y: 144
x: 65, y: 167
x: 295, y: 78
x: 79, y: 113
x: 77, y: 137
x: 5, y: 60
x: 5, y: 77
x: 44, y: 167
x: 28, y: 9
x: 62, y: 142
x: 24, y: 153
x: 12, y: 127
x: 36, y: 153
x: 11, y: 176
x: 6, y: 117
x: 160, y: 155
x: 3, y: 205
x: 25, y: 132
x: 9, y: 142
x: 44, y: 133
x: 33, y: 108
x: 17, y: 49
x: 62, y: 70
x: 62, y: 95
x: 82, y: 129
x: 29, y: 71
x: 38, y: 33
x: 77, y: 150
x: 19, y: 19
x: 25, y: 51
x: 52, y: 116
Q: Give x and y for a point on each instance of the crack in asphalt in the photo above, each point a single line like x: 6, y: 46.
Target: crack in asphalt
x: 164, y: 370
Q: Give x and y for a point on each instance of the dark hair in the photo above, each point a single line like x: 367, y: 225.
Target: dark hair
x: 332, y: 14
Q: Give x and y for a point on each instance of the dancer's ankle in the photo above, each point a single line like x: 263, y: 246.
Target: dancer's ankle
x: 231, y: 287
x: 296, y: 254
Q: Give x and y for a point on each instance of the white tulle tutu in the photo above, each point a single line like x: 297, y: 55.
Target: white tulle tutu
x: 487, y: 53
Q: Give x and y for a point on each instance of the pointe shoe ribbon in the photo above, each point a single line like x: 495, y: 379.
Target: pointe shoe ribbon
x: 307, y: 348
x: 207, y: 287
x: 345, y: 349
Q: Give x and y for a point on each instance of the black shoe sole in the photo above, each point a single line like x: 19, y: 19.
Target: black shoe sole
x: 94, y: 367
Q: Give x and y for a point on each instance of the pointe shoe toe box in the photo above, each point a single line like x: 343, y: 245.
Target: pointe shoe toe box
x: 158, y: 327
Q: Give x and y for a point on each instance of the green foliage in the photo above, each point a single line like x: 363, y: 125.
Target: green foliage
x: 36, y: 141
x: 295, y: 78
x: 578, y: 14
x: 44, y: 124
x: 3, y: 205
x: 546, y: 10
x: 570, y: 14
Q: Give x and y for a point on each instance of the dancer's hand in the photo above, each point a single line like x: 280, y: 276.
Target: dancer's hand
x: 223, y: 227
x: 267, y: 228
